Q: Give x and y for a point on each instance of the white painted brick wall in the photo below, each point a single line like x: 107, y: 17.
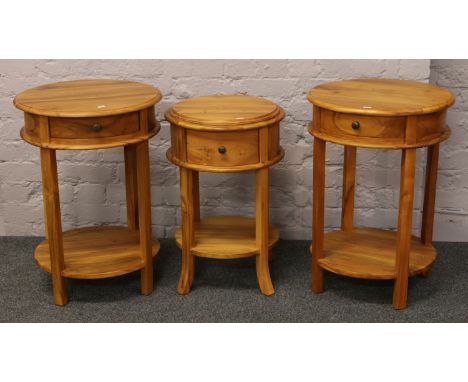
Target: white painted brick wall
x: 92, y: 182
x: 451, y: 221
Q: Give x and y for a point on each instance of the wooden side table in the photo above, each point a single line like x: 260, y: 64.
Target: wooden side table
x: 383, y: 114
x: 94, y: 114
x: 224, y: 133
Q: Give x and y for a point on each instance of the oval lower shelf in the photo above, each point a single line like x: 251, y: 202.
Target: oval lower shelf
x: 226, y: 237
x: 369, y: 253
x: 97, y: 252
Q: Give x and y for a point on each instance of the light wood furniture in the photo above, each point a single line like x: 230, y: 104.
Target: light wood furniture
x: 381, y: 114
x: 94, y: 114
x: 224, y: 133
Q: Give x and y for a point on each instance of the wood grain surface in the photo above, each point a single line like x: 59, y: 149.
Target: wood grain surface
x: 87, y: 98
x: 380, y: 96
x: 227, y: 237
x: 385, y: 114
x: 97, y: 252
x: 53, y: 224
x: 94, y: 127
x: 240, y: 148
x: 370, y: 253
x: 224, y: 112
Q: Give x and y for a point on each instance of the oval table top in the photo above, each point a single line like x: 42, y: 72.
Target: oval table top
x: 380, y: 96
x: 87, y: 98
x: 224, y: 112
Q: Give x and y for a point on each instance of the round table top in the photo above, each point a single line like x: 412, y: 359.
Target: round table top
x: 224, y: 112
x: 386, y: 97
x: 87, y: 98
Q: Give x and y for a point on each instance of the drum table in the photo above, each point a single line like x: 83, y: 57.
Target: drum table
x: 83, y: 115
x: 380, y: 114
x: 224, y: 133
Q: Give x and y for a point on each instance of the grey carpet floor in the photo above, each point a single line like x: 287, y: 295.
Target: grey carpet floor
x: 226, y: 291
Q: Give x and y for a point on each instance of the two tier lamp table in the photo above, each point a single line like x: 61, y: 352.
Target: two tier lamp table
x: 84, y: 115
x: 224, y: 133
x: 379, y: 114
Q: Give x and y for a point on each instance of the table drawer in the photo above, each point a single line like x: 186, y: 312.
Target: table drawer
x: 354, y: 125
x: 94, y: 127
x: 225, y: 149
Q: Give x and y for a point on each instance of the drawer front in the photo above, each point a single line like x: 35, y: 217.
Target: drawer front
x: 99, y: 127
x: 354, y: 125
x: 225, y: 149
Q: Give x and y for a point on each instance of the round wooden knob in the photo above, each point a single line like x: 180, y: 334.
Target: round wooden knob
x: 97, y: 127
x: 355, y: 125
x: 221, y: 149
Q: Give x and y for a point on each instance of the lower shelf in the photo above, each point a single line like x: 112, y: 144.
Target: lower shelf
x: 369, y: 253
x: 97, y: 252
x: 226, y: 237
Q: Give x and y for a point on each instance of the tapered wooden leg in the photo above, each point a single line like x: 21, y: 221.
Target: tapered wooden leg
x: 430, y: 194
x: 261, y: 231
x: 429, y: 197
x: 144, y: 215
x: 405, y: 214
x: 186, y: 202
x: 318, y: 207
x: 349, y: 181
x: 53, y: 222
x: 131, y: 186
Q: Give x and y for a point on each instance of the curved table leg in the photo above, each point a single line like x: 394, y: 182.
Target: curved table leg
x: 261, y: 231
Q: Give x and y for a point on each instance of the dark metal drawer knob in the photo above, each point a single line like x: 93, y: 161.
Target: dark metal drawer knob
x: 97, y: 127
x: 355, y: 125
x: 221, y: 149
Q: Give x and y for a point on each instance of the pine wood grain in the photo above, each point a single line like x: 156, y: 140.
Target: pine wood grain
x: 385, y: 114
x: 81, y: 135
x: 274, y: 148
x: 131, y: 186
x: 224, y: 112
x: 227, y: 237
x: 349, y: 182
x: 374, y: 112
x: 380, y: 96
x: 93, y: 127
x: 405, y: 216
x: 53, y: 224
x: 379, y: 143
x: 97, y: 252
x: 144, y: 216
x: 213, y: 168
x: 224, y: 133
x: 87, y: 98
x: 240, y: 148
x: 318, y: 206
x: 94, y: 114
x: 370, y: 253
x: 369, y: 126
x: 220, y: 133
x: 262, y: 218
x: 186, y: 234
x: 429, y: 194
x: 196, y: 196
